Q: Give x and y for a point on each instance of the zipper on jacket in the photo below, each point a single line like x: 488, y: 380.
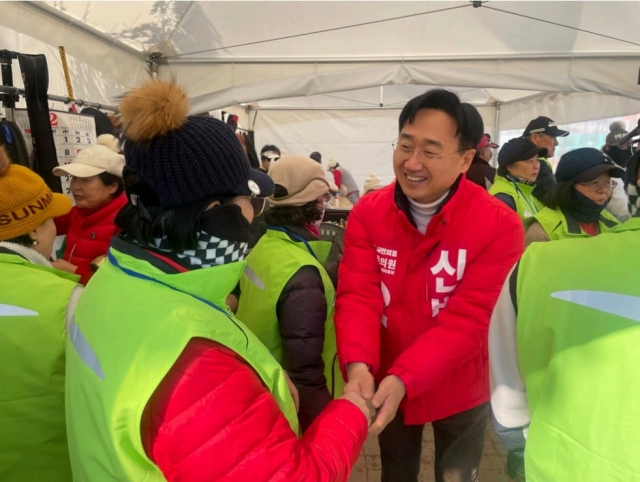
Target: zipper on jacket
x: 71, y: 253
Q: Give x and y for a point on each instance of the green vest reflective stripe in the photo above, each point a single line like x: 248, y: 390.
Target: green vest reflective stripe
x: 33, y: 306
x: 134, y: 330
x: 527, y: 204
x: 578, y: 332
x: 559, y: 224
x: 270, y: 266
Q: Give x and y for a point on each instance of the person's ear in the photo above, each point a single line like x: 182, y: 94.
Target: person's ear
x: 33, y: 236
x: 213, y: 205
x: 467, y: 158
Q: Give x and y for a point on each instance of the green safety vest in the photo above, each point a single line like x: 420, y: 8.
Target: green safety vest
x: 578, y: 333
x: 559, y: 224
x: 33, y: 307
x: 270, y: 266
x: 130, y: 328
x: 527, y: 204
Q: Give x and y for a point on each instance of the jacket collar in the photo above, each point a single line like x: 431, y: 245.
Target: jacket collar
x: 402, y: 202
x: 573, y: 227
x: 307, y: 241
x: 29, y: 254
x: 211, y: 284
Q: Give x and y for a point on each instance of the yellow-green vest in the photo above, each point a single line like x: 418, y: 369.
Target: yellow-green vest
x: 559, y: 224
x: 131, y: 325
x: 270, y: 266
x: 527, y: 204
x: 33, y: 307
x: 578, y: 332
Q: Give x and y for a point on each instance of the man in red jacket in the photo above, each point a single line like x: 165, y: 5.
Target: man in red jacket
x: 423, y: 265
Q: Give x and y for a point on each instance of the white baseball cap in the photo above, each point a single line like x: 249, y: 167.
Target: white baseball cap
x: 94, y: 160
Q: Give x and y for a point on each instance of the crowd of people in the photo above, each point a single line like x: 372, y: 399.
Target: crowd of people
x: 194, y: 325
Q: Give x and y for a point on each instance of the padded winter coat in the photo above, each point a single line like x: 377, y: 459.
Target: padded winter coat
x: 418, y: 306
x: 88, y: 234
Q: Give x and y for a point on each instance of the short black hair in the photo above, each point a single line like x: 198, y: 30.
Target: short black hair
x: 502, y: 171
x: 561, y: 196
x: 270, y: 147
x: 294, y: 215
x: 111, y: 179
x: 467, y: 118
x: 22, y: 240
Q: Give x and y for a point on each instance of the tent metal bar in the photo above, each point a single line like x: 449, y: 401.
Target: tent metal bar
x: 69, y: 21
x: 4, y: 89
x: 429, y: 58
x: 343, y: 108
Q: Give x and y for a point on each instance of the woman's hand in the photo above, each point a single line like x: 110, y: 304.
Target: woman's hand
x: 63, y: 265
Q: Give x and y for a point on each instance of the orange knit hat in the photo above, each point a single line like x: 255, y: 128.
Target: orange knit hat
x: 26, y: 202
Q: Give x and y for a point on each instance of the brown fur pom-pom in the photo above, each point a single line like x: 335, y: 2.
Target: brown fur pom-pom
x: 4, y: 161
x: 153, y: 109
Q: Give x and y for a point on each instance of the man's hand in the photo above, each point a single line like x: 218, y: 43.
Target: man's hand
x: 63, y: 265
x: 294, y: 392
x: 387, y: 399
x: 360, y: 380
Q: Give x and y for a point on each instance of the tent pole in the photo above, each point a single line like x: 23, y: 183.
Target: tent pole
x: 496, y: 128
x: 58, y: 98
x: 382, y: 96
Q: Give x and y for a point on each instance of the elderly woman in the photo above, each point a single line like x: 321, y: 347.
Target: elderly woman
x: 518, y: 167
x: 36, y: 303
x: 164, y: 383
x: 576, y: 205
x: 96, y: 187
x: 286, y: 294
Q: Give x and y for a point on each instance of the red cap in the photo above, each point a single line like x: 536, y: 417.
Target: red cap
x: 485, y: 141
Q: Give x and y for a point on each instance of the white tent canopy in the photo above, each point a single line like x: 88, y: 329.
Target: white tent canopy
x: 313, y: 71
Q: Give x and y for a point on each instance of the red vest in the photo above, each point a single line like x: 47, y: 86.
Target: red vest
x: 89, y: 236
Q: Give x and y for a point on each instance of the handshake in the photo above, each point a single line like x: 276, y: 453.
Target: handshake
x: 378, y: 407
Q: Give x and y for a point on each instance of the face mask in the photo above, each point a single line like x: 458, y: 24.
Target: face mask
x: 620, y: 156
x: 226, y: 222
x: 585, y: 210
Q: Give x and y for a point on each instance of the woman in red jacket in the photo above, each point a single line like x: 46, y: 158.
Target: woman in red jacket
x: 96, y: 187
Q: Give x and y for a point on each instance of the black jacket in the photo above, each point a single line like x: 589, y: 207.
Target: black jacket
x: 480, y: 172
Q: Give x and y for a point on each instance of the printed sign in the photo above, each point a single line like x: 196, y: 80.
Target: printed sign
x: 71, y: 133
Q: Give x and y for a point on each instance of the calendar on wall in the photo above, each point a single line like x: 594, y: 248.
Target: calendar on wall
x: 71, y: 133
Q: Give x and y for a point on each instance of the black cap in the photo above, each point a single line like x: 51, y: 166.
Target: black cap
x: 316, y: 156
x: 586, y: 164
x: 544, y: 125
x: 519, y: 149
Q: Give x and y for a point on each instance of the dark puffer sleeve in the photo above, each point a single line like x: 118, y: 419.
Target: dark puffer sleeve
x: 302, y: 311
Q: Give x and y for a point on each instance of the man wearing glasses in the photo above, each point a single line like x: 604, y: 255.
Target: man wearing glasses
x: 544, y: 133
x: 424, y: 261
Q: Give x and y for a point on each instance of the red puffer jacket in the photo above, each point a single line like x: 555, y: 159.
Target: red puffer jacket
x: 211, y: 418
x: 418, y: 306
x: 88, y: 234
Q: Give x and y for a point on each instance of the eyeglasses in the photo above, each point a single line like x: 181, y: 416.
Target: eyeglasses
x: 597, y: 185
x: 402, y: 151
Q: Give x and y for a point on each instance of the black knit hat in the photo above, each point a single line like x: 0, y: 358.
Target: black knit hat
x: 519, y: 149
x: 184, y: 160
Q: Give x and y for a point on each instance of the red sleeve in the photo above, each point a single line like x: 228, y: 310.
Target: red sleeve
x: 85, y: 272
x: 62, y: 223
x: 337, y: 177
x: 461, y: 329
x: 211, y: 418
x: 359, y: 298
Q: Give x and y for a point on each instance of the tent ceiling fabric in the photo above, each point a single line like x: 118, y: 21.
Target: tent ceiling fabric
x: 337, y: 54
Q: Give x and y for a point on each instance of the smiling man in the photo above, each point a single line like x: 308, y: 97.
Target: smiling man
x: 423, y: 265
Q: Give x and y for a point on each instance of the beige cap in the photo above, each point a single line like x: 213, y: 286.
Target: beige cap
x: 302, y: 177
x: 94, y: 160
x: 372, y: 183
x: 333, y: 163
